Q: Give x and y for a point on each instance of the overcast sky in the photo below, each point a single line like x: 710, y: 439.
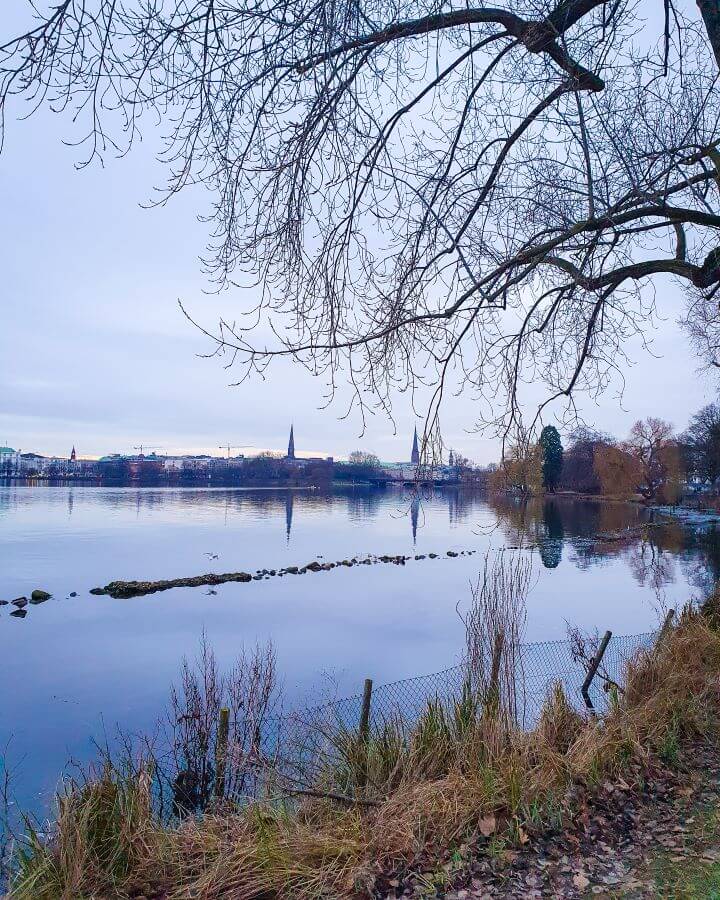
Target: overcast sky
x: 95, y: 352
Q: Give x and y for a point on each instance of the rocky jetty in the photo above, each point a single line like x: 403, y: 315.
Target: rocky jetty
x: 120, y: 589
x: 125, y: 589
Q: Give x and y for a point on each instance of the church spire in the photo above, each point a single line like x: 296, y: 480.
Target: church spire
x: 291, y: 445
x: 415, y: 455
x: 73, y: 455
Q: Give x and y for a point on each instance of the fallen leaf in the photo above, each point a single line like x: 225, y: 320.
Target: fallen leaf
x: 580, y: 881
x: 522, y: 835
x: 487, y: 826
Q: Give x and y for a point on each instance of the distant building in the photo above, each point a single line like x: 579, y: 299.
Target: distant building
x: 31, y: 464
x: 9, y: 461
x: 73, y: 455
x: 187, y: 463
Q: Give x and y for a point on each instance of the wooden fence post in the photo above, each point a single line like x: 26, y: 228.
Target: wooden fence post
x: 221, y: 748
x: 597, y: 659
x: 492, y: 701
x: 666, y: 626
x: 365, y: 731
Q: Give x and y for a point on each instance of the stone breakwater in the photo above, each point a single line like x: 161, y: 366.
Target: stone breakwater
x: 124, y: 589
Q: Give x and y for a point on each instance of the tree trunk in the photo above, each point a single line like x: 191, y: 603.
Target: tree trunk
x: 710, y: 11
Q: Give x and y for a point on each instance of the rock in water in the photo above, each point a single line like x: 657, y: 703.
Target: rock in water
x: 20, y: 602
x: 20, y: 613
x: 39, y: 596
x: 124, y: 589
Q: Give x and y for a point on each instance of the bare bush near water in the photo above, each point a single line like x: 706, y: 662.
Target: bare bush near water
x: 250, y: 692
x: 494, y: 628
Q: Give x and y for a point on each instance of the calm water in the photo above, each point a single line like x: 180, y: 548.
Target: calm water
x: 76, y: 666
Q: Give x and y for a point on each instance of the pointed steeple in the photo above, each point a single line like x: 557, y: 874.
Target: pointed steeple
x: 415, y: 455
x: 73, y: 455
x: 291, y: 445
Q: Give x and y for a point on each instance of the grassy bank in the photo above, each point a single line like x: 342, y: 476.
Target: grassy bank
x: 402, y: 796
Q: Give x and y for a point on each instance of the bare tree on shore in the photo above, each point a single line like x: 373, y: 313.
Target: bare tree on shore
x: 422, y: 193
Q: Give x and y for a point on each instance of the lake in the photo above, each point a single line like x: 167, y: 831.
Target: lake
x: 76, y: 666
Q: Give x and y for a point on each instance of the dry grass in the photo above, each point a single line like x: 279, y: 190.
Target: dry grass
x: 435, y: 784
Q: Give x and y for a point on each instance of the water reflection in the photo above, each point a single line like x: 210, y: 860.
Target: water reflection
x: 653, y: 547
x: 85, y: 657
x: 585, y: 533
x: 551, y: 540
x: 289, y: 500
x: 414, y: 515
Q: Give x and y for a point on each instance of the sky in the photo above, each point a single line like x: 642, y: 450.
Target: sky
x: 95, y: 352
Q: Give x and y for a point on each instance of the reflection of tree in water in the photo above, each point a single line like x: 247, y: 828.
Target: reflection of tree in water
x: 651, y: 564
x: 701, y: 559
x: 462, y: 503
x: 363, y: 503
x: 517, y: 517
x: 550, y: 543
x: 598, y: 532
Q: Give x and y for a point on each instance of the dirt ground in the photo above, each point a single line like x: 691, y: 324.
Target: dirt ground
x: 655, y: 835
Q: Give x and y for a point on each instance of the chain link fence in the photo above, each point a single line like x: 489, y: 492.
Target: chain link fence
x: 541, y: 665
x: 238, y: 758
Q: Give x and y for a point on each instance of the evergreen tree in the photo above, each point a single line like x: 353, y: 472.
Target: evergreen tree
x: 552, y: 457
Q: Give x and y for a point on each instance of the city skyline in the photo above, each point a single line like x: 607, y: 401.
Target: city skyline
x: 148, y: 450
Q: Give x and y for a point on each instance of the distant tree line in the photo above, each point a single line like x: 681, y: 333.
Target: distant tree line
x: 361, y: 465
x: 265, y: 468
x: 652, y: 462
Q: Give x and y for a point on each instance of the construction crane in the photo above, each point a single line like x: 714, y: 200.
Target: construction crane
x: 229, y: 447
x: 143, y: 447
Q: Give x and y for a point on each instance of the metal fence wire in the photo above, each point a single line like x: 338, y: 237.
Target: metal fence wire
x: 540, y: 666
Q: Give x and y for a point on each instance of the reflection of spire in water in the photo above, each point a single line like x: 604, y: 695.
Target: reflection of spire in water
x: 71, y: 501
x: 414, y: 513
x: 289, y: 497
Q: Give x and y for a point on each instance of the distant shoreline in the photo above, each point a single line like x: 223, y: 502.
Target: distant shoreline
x: 190, y: 485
